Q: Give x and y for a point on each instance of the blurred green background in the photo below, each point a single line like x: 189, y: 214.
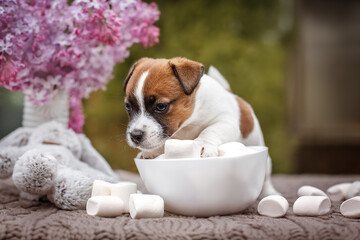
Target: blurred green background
x: 247, y: 40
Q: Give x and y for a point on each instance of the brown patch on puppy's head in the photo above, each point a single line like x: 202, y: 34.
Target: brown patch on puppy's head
x: 168, y: 93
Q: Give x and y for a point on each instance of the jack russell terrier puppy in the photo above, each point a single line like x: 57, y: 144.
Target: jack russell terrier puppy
x: 173, y: 98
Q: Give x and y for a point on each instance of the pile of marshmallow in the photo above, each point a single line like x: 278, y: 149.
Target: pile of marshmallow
x: 175, y: 149
x: 314, y: 202
x: 111, y: 200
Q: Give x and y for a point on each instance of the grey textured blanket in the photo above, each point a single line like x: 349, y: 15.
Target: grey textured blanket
x: 21, y: 219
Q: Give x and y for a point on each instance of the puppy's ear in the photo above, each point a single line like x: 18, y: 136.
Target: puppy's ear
x: 131, y: 71
x: 187, y: 72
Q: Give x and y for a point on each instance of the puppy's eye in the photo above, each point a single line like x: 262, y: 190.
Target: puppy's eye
x: 128, y: 107
x: 161, y: 107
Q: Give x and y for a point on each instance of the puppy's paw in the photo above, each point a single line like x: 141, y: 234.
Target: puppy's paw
x: 209, y: 150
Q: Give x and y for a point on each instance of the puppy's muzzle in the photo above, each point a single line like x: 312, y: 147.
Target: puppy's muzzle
x: 137, y: 136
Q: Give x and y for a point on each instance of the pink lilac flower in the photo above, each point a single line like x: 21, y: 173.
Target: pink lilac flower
x: 48, y: 45
x: 77, y: 118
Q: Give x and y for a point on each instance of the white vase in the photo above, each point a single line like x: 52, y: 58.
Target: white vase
x: 56, y: 109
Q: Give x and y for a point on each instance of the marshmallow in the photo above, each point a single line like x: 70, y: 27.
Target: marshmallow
x: 354, y: 190
x: 311, y: 205
x: 105, y: 206
x: 175, y: 148
x: 100, y: 188
x: 123, y: 191
x: 310, y: 191
x: 146, y: 206
x: 351, y: 207
x: 338, y: 192
x: 234, y: 149
x: 273, y: 206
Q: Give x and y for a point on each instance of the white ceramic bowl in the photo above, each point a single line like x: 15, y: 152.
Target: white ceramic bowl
x: 206, y: 186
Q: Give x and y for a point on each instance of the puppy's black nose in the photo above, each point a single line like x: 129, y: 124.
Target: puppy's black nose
x: 136, y: 136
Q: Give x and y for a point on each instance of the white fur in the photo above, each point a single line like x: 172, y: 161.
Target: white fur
x: 139, y: 91
x: 215, y: 74
x: 215, y: 119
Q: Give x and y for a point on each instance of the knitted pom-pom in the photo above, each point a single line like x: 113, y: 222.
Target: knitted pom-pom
x: 35, y: 172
